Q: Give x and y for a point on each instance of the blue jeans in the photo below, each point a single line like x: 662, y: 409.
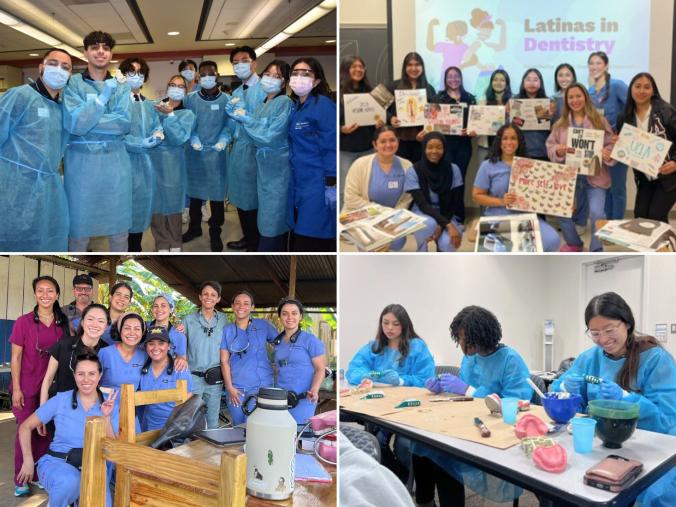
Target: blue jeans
x: 550, y: 238
x: 211, y: 396
x: 616, y: 195
x: 421, y: 236
x: 596, y: 198
x: 116, y: 243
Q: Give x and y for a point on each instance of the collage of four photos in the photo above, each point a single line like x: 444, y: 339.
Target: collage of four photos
x: 337, y: 253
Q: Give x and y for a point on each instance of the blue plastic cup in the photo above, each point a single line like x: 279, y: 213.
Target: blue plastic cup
x: 510, y: 407
x: 583, y: 433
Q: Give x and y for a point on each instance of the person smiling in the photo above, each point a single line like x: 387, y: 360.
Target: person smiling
x: 122, y: 361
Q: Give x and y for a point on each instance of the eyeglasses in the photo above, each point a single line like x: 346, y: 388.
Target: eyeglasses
x: 55, y: 63
x: 241, y: 61
x: 302, y: 73
x: 269, y: 74
x: 609, y: 332
x: 85, y: 290
x: 133, y: 73
x: 172, y: 85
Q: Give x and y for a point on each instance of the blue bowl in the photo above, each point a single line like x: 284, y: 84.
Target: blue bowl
x: 561, y: 410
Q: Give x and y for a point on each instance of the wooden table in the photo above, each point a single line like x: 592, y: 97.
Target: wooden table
x: 305, y: 494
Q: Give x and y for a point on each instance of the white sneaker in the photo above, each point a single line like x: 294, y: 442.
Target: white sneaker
x: 177, y: 249
x: 206, y: 214
x: 185, y: 218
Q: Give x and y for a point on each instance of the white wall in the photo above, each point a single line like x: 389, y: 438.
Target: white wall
x: 355, y: 13
x: 522, y: 291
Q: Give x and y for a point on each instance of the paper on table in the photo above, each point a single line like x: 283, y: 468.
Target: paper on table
x: 310, y: 470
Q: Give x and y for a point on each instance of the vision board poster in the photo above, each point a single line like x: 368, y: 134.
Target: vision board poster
x: 531, y: 114
x: 362, y: 109
x: 485, y: 120
x: 641, y: 150
x: 446, y: 119
x: 542, y: 187
x: 585, y: 149
x: 411, y: 106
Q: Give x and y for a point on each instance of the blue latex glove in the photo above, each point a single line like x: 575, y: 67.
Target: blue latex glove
x: 452, y: 384
x: 231, y: 106
x: 432, y: 384
x: 196, y: 143
x: 389, y: 377
x: 574, y: 383
x: 610, y: 390
x: 243, y: 118
x: 109, y: 87
x: 330, y: 197
x: 150, y: 142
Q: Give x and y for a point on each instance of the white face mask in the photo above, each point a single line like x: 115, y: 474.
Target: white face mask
x: 55, y: 77
x: 135, y: 82
x: 188, y: 74
x: 242, y: 70
x: 301, y: 85
x: 175, y: 93
x: 271, y: 84
x: 208, y: 82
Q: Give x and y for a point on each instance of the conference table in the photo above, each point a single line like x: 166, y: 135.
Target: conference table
x: 656, y: 451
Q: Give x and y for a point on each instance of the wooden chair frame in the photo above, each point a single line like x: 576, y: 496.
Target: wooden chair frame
x: 149, y: 477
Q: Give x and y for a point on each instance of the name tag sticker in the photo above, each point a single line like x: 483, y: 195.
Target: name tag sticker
x: 215, y: 107
x: 91, y: 96
x: 392, y: 184
x: 43, y: 112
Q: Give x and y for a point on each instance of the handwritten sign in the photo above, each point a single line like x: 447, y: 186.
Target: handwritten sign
x: 530, y: 114
x: 543, y: 187
x: 411, y: 106
x: 445, y: 118
x: 641, y: 150
x: 485, y: 120
x: 585, y: 148
x: 362, y: 109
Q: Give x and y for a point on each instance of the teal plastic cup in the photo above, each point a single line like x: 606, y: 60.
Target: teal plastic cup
x: 583, y: 433
x: 510, y: 407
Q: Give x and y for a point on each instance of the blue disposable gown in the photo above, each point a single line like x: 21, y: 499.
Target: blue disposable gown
x: 144, y: 122
x: 242, y: 156
x: 503, y: 372
x: 206, y: 168
x: 414, y: 370
x: 312, y: 156
x: 655, y: 381
x: 169, y: 162
x: 269, y: 132
x: 32, y: 197
x: 97, y: 170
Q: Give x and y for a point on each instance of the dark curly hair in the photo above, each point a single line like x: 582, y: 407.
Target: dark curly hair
x: 495, y: 151
x: 98, y: 37
x: 127, y: 65
x: 480, y: 327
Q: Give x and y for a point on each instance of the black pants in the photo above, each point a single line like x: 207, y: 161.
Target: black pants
x: 459, y: 154
x: 429, y: 475
x: 274, y: 243
x: 249, y: 222
x: 217, y: 215
x: 410, y: 150
x: 652, y: 201
x: 134, y: 241
x: 300, y: 243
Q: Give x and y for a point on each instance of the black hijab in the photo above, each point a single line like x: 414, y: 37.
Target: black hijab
x: 436, y: 177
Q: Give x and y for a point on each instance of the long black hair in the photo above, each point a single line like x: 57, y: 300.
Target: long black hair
x: 346, y: 84
x: 541, y: 91
x: 612, y: 306
x: 80, y: 328
x: 323, y: 87
x: 407, y: 331
x: 491, y: 100
x: 60, y: 318
x: 495, y: 152
x: 422, y: 80
x: 630, y: 106
x: 557, y: 86
x: 603, y: 56
x: 463, y: 92
x: 481, y: 328
x: 86, y: 356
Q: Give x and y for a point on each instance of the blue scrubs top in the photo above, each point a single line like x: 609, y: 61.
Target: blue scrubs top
x: 614, y: 104
x: 386, y: 189
x: 116, y: 371
x: 249, y: 369
x: 494, y: 177
x: 414, y: 370
x: 312, y: 157
x: 204, y: 348
x: 655, y: 384
x: 503, y: 372
x: 412, y: 183
x: 69, y: 423
x: 155, y: 415
x: 294, y: 362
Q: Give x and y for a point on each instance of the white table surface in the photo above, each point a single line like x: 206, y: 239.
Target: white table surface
x: 651, y: 449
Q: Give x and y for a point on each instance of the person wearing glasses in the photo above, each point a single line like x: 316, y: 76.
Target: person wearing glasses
x: 242, y: 156
x: 204, y: 331
x: 300, y: 361
x: 31, y: 148
x: 32, y: 336
x: 268, y: 126
x: 88, y: 339
x: 120, y: 299
x: 633, y: 367
x: 312, y: 156
x: 244, y: 355
x: 170, y: 169
x: 83, y: 287
x: 69, y: 411
x: 159, y: 372
x: 144, y: 135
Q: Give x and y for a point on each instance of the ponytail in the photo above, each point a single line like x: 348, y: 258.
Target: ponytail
x: 636, y: 343
x: 607, y: 94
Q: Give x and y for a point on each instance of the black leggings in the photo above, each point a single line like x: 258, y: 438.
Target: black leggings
x: 652, y: 201
x: 429, y: 475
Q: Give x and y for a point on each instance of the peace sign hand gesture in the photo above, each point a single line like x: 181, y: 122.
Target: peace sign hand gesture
x: 108, y: 405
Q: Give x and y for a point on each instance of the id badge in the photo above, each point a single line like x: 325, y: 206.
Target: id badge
x: 43, y: 112
x: 392, y: 184
x: 215, y: 107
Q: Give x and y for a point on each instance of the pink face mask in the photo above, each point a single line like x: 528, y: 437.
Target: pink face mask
x: 301, y: 85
